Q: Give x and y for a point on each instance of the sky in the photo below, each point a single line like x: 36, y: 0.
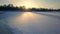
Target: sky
x: 33, y: 3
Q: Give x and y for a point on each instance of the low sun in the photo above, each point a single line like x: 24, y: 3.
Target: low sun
x: 27, y: 5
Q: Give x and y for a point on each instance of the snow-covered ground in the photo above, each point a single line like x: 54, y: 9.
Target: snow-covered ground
x: 30, y: 23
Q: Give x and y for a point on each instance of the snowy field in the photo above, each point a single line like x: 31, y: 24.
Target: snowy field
x: 30, y: 23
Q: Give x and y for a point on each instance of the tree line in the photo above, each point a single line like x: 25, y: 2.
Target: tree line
x: 10, y: 7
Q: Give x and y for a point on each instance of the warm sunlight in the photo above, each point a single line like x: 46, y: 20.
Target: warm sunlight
x: 27, y: 16
x: 27, y: 5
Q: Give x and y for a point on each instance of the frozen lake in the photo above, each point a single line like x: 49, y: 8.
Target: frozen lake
x: 30, y: 23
